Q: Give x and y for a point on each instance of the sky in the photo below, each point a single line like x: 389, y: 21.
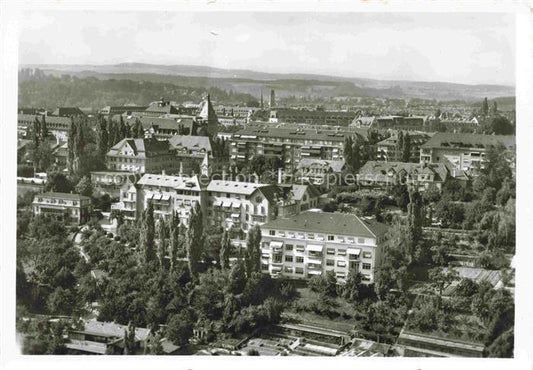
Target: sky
x: 471, y: 48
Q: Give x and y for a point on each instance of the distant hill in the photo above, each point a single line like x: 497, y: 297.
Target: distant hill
x: 299, y: 85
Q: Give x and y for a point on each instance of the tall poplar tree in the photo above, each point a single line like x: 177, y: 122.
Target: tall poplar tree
x: 71, y: 143
x: 399, y: 146
x: 162, y: 247
x: 195, y: 239
x: 406, y: 149
x: 174, y: 224
x: 253, y: 251
x: 225, y: 250
x: 147, y: 234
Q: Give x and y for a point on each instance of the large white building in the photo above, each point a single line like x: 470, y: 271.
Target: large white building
x: 312, y: 243
x: 167, y: 194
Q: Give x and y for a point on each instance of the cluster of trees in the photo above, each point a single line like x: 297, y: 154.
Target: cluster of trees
x: 485, y: 205
x: 55, y: 268
x: 476, y: 311
x: 160, y: 274
x: 40, y: 150
x: 42, y: 90
x: 358, y: 150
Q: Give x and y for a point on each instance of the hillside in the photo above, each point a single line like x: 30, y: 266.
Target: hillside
x: 299, y: 85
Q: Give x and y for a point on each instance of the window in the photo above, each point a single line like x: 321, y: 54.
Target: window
x: 365, y: 278
x: 281, y: 233
x: 341, y: 263
x: 361, y: 240
x: 310, y: 236
x: 299, y: 260
x: 367, y: 254
x: 330, y: 251
x: 288, y: 259
x: 299, y: 270
x: 330, y: 262
x: 367, y: 266
x: 272, y: 232
x: 341, y: 252
x: 331, y: 237
x: 288, y: 247
x: 288, y: 269
x: 264, y: 267
x: 300, y: 248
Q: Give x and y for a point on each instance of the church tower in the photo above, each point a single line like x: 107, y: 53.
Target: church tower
x: 205, y: 170
x: 272, y: 99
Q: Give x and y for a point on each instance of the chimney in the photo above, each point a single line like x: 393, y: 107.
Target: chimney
x: 163, y: 172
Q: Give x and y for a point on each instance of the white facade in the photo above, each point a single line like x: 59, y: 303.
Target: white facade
x: 297, y: 254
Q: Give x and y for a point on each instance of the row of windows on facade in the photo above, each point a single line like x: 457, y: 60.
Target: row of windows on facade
x: 329, y: 262
x: 300, y: 271
x: 57, y: 201
x: 301, y: 235
x: 329, y: 251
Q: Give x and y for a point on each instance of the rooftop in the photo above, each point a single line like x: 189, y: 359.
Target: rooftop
x: 191, y: 142
x: 335, y: 165
x: 168, y: 181
x: 288, y: 133
x: 463, y: 140
x: 69, y: 196
x: 234, y: 187
x: 329, y: 223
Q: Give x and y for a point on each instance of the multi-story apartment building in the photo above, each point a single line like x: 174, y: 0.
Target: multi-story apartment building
x: 314, y: 117
x: 387, y: 150
x: 168, y: 194
x: 419, y: 176
x: 65, y: 207
x: 288, y: 144
x: 312, y: 243
x: 141, y: 156
x: 465, y: 152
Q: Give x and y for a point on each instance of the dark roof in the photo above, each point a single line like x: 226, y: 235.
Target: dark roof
x: 63, y: 196
x: 191, y: 142
x: 142, y: 147
x: 463, y: 140
x: 167, y: 108
x: 379, y: 170
x: 67, y: 112
x: 329, y: 223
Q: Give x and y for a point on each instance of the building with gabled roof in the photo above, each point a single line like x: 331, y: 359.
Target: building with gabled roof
x: 314, y: 242
x: 67, y: 112
x: 315, y: 171
x: 191, y: 146
x: 414, y: 175
x: 141, y: 156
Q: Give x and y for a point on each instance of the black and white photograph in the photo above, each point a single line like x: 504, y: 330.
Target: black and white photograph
x: 266, y: 182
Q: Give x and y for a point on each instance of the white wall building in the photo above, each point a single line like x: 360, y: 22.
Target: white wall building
x: 313, y: 243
